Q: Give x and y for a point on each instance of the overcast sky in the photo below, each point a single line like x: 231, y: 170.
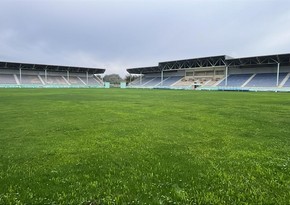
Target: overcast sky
x: 119, y: 34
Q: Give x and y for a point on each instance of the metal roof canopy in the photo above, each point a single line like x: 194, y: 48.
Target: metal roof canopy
x: 145, y: 70
x: 194, y: 63
x: 223, y: 60
x: 258, y: 61
x: 55, y: 68
x: 182, y: 64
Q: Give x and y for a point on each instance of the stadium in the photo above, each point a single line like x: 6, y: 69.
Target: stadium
x: 89, y: 117
x: 257, y: 73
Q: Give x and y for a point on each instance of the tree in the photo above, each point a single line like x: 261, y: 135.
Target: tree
x: 130, y: 78
x: 113, y: 79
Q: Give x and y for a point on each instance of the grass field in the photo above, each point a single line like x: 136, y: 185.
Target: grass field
x: 113, y: 146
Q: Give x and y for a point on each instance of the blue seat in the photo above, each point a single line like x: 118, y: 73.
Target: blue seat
x: 236, y: 80
x: 171, y: 80
x: 287, y: 83
x: 266, y: 80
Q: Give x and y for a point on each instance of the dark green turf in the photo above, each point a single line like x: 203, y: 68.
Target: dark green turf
x: 113, y: 146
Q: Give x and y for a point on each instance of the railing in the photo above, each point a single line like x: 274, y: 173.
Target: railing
x: 48, y: 86
x: 162, y: 87
x: 253, y: 89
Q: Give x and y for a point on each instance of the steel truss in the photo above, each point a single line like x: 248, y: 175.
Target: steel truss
x: 54, y: 68
x: 214, y: 61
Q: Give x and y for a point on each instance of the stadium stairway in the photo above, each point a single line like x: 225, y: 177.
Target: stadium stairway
x: 67, y: 82
x: 284, y: 81
x: 171, y: 80
x: 81, y: 80
x: 219, y: 81
x: 40, y: 78
x: 145, y: 81
x: 248, y: 80
x: 287, y: 81
x: 16, y: 79
x: 156, y: 81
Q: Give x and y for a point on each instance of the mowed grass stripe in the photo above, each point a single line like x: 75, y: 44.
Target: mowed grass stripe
x: 114, y: 146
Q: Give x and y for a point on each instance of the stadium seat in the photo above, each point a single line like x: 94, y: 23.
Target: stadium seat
x: 235, y: 80
x: 287, y: 83
x: 30, y: 79
x: 266, y: 80
x: 171, y: 80
x: 7, y: 79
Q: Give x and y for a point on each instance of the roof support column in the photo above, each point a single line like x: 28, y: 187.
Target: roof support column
x: 87, y: 78
x: 45, y: 76
x: 278, y: 73
x: 140, y: 78
x: 20, y: 76
x: 226, y: 80
x: 67, y: 75
x: 161, y: 77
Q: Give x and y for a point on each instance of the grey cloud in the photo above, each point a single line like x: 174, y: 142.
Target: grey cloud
x: 127, y: 33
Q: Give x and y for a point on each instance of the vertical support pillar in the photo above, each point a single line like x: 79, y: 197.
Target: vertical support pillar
x: 161, y: 77
x: 87, y: 77
x: 140, y: 78
x: 278, y: 73
x: 45, y: 76
x: 226, y: 80
x: 67, y: 75
x: 20, y: 76
x: 213, y: 73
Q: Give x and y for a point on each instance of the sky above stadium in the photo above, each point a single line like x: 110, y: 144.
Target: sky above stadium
x: 119, y: 34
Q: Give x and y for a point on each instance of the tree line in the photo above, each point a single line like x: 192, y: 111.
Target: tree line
x: 117, y: 79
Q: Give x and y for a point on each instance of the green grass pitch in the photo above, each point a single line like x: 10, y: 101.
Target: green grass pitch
x: 126, y: 146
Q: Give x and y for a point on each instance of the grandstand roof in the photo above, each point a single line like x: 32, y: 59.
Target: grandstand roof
x: 194, y: 62
x: 283, y: 59
x: 222, y: 60
x: 144, y: 70
x: 42, y: 67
